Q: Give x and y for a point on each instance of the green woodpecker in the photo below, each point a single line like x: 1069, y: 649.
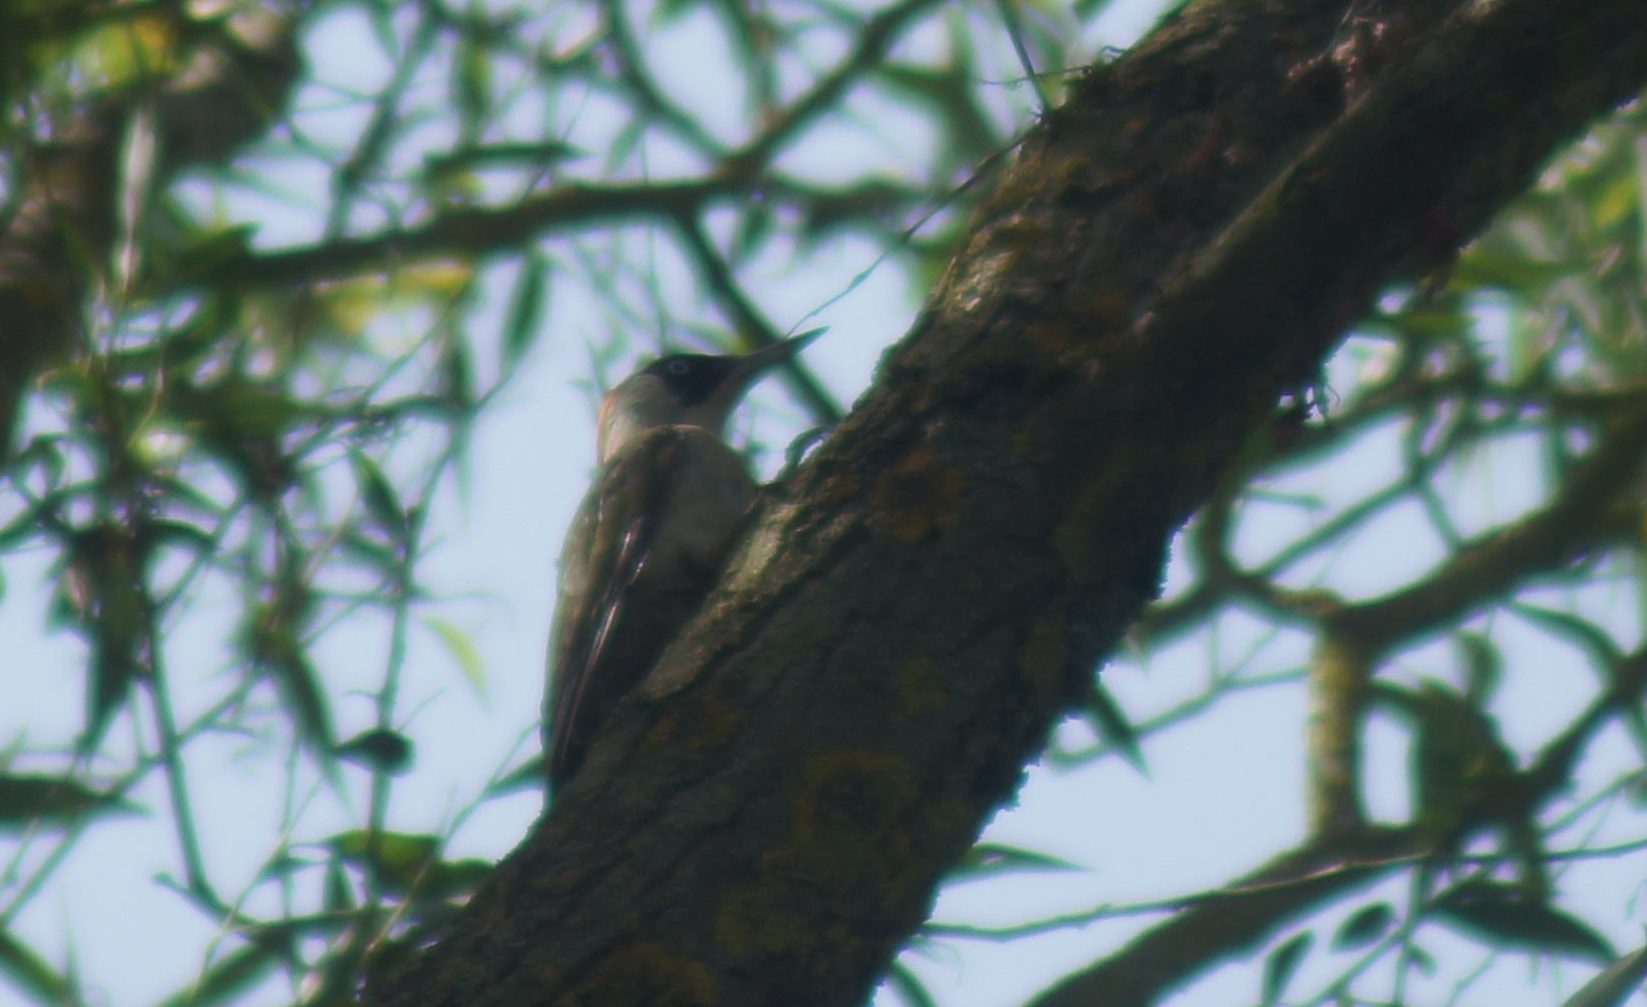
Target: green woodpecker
x: 650, y: 537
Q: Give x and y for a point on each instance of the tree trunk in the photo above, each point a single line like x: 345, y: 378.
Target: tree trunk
x: 1168, y: 253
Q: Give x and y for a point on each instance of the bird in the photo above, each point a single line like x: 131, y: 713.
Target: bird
x: 649, y: 539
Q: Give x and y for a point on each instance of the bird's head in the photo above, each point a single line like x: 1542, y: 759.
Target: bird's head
x: 685, y: 389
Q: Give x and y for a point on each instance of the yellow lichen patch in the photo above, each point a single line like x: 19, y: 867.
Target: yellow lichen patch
x: 761, y: 919
x: 708, y: 724
x: 920, y: 686
x: 1044, y: 656
x: 761, y: 547
x: 844, y: 806
x: 917, y: 497
x: 1076, y: 538
x: 647, y: 973
x: 1103, y: 304
x: 1053, y: 341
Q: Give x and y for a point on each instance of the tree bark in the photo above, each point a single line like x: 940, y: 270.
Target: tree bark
x: 1178, y: 245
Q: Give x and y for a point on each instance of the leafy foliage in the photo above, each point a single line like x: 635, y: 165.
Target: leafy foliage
x: 265, y: 269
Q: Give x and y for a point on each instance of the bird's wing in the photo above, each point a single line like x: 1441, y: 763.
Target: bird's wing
x: 605, y: 552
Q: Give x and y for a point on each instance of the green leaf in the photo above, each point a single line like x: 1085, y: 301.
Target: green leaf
x: 907, y: 987
x: 1087, y: 9
x: 456, y: 375
x: 273, y: 639
x: 27, y: 801
x: 384, y: 751
x: 396, y: 859
x: 1483, y: 668
x: 184, y: 535
x: 447, y: 879
x: 301, y: 687
x: 473, y: 70
x: 990, y: 859
x: 528, y: 775
x: 1281, y: 964
x: 101, y: 593
x: 753, y: 228
x: 340, y: 897
x: 1422, y: 960
x: 1114, y: 727
x: 524, y: 321
x: 1503, y: 915
x: 1513, y: 273
x: 1459, y: 760
x: 1615, y: 984
x: 1367, y: 925
x: 238, y: 972
x: 379, y: 496
x: 462, y: 649
x: 29, y: 972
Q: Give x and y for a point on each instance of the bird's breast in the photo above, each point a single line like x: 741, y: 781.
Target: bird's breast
x: 710, y: 490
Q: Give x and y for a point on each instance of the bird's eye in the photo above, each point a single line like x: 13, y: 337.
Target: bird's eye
x: 679, y: 368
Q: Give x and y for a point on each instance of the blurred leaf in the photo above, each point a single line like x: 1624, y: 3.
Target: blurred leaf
x: 379, y: 496
x: 1088, y: 9
x: 1480, y: 268
x: 462, y: 649
x: 529, y: 775
x: 340, y: 897
x: 407, y: 863
x: 1367, y: 925
x: 299, y: 687
x: 283, y: 865
x: 25, y: 526
x: 1503, y: 916
x: 457, y: 375
x: 396, y: 859
x: 952, y: 101
x: 1483, y: 668
x: 101, y: 594
x: 203, y: 254
x: 754, y: 227
x: 456, y: 167
x: 623, y: 145
x: 29, y: 973
x: 234, y: 409
x: 274, y: 642
x: 185, y: 535
x: 908, y: 987
x: 1280, y: 965
x: 453, y: 878
x: 669, y: 11
x: 237, y: 972
x: 351, y: 305
x: 524, y: 320
x: 1615, y: 985
x: 1596, y: 643
x: 990, y: 859
x: 1114, y: 728
x: 27, y: 801
x: 1461, y: 767
x: 473, y: 84
x: 128, y: 51
x: 384, y: 751
x: 1421, y: 959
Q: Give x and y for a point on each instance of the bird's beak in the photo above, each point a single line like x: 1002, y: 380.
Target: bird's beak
x: 748, y: 369
x: 752, y: 365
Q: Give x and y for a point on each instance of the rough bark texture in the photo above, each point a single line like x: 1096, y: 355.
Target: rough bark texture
x: 1169, y: 252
